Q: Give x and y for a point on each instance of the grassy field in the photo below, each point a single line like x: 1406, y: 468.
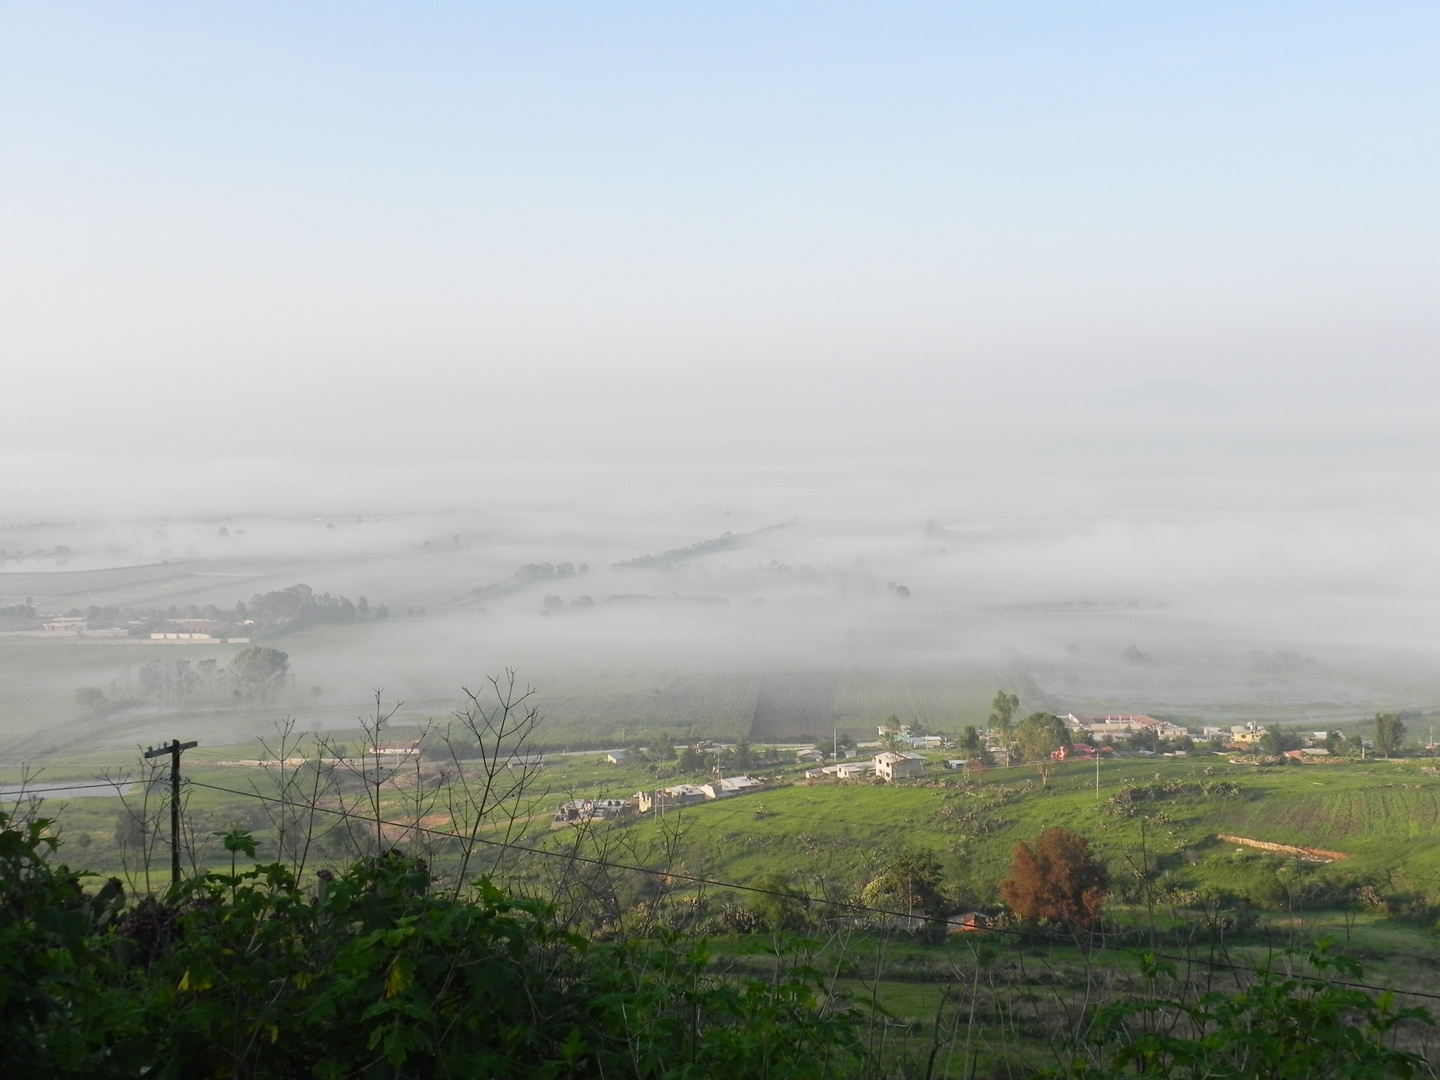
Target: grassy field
x: 1378, y: 813
x: 794, y: 706
x: 1383, y: 815
x: 335, y: 666
x: 940, y: 700
x: 1164, y: 854
x: 616, y: 709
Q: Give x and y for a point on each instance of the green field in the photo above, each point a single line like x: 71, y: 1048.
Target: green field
x: 938, y: 700
x: 1380, y: 814
x: 335, y: 667
x: 1169, y: 872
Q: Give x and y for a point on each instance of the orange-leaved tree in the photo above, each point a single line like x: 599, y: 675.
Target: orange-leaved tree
x: 1056, y: 880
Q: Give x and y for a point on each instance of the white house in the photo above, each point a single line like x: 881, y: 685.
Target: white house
x: 846, y: 770
x: 730, y: 785
x: 895, y: 765
x: 670, y: 798
x: 616, y: 757
x: 584, y: 811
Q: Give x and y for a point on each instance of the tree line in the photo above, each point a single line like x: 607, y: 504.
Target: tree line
x: 300, y: 605
x: 256, y: 673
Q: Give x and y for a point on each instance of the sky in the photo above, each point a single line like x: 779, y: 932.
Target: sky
x: 482, y: 231
x: 1120, y: 302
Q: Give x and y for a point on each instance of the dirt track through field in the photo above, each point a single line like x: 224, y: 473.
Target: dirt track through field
x: 1310, y: 853
x: 794, y: 706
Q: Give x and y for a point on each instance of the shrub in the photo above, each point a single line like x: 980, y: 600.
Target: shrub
x: 1280, y: 1025
x: 1056, y: 881
x: 372, y: 972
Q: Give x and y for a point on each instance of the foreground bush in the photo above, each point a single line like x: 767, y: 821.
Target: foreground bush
x: 245, y: 974
x: 1282, y: 1026
x: 375, y: 973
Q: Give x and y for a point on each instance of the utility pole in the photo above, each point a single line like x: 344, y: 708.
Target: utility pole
x: 175, y: 749
x: 1097, y: 774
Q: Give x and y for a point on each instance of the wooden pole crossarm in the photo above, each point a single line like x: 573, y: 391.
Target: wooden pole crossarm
x: 175, y: 749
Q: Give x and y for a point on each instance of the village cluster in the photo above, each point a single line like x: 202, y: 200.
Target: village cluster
x: 900, y: 759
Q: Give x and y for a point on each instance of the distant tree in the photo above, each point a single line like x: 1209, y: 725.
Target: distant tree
x: 1389, y: 733
x: 259, y: 671
x: 692, y: 761
x: 1144, y: 739
x: 847, y: 742
x: 969, y: 739
x: 89, y: 697
x: 171, y: 679
x: 663, y: 747
x: 1057, y: 880
x: 739, y: 756
x: 208, y: 672
x: 1040, y: 734
x: 1277, y: 740
x: 778, y: 903
x: 1002, y: 715
x: 130, y: 830
x: 1350, y: 745
x: 911, y: 882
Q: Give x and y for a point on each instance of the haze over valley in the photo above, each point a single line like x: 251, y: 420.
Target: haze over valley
x: 1166, y: 574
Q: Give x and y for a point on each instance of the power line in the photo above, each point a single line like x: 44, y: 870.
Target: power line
x: 715, y: 882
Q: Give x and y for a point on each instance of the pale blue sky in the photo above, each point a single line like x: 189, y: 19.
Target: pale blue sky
x: 338, y: 218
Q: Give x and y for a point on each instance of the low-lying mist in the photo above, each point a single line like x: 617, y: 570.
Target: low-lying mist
x: 1170, y: 576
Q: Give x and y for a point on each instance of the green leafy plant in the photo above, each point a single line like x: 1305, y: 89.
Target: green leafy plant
x: 1279, y: 1026
x: 373, y: 971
